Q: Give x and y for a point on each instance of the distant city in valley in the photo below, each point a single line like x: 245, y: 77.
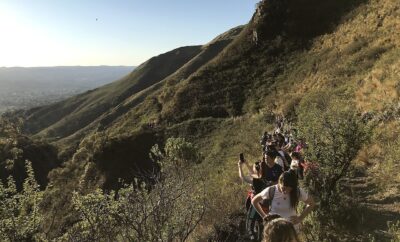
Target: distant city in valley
x: 27, y: 87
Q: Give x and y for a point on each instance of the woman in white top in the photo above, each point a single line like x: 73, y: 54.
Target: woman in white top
x: 286, y: 197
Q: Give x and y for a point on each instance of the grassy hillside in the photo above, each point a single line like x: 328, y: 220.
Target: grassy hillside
x: 66, y: 117
x: 95, y: 109
x: 223, y: 95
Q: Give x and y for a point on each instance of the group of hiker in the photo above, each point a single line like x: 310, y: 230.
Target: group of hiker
x: 272, y: 203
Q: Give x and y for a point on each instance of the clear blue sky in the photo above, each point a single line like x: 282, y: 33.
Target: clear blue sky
x: 110, y: 32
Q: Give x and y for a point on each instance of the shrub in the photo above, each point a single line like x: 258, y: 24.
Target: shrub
x: 19, y: 211
x: 334, y: 135
x: 167, y: 209
x: 178, y: 149
x: 394, y: 230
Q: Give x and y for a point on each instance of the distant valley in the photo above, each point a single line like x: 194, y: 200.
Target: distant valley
x: 22, y: 87
x: 328, y: 69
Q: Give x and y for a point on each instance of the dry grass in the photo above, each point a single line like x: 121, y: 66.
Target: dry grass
x: 382, y: 156
x: 362, y: 54
x: 369, y: 155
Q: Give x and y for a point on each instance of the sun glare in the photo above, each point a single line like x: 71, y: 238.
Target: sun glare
x: 21, y: 44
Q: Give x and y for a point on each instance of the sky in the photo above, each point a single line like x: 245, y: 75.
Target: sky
x: 110, y: 32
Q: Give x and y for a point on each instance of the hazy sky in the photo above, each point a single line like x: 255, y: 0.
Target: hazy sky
x: 109, y: 32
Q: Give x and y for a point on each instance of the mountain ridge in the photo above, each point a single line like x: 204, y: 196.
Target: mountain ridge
x: 232, y: 80
x: 223, y: 100
x: 195, y: 59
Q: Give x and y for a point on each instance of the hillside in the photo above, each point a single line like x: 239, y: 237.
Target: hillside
x: 98, y: 107
x: 291, y: 56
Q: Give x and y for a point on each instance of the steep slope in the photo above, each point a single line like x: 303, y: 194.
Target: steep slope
x: 350, y: 48
x: 331, y: 49
x: 95, y: 109
x: 344, y: 47
x: 247, y: 73
x: 268, y: 76
x: 227, y: 92
x: 66, y: 117
x: 286, y: 61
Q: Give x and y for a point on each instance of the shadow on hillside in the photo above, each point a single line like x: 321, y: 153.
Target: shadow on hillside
x: 42, y: 156
x: 126, y: 158
x: 233, y: 230
x: 304, y: 19
x: 375, y: 219
x: 310, y: 18
x: 387, y: 200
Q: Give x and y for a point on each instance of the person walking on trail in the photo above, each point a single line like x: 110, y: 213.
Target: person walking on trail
x: 275, y: 155
x: 263, y: 141
x: 274, y: 170
x: 286, y: 196
x: 266, y: 170
x: 297, y: 164
x: 261, y: 175
x: 257, y: 174
x: 282, y: 156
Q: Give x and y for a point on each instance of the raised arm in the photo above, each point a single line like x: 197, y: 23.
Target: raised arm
x: 249, y: 167
x: 247, y: 179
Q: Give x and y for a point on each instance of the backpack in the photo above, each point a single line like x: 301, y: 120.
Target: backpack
x: 266, y: 204
x: 254, y: 222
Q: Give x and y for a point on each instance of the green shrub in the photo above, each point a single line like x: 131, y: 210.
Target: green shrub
x: 334, y: 135
x: 20, y: 218
x: 394, y: 230
x: 167, y: 209
x: 177, y: 149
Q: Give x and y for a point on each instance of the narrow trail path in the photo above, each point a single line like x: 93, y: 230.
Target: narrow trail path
x: 378, y: 205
